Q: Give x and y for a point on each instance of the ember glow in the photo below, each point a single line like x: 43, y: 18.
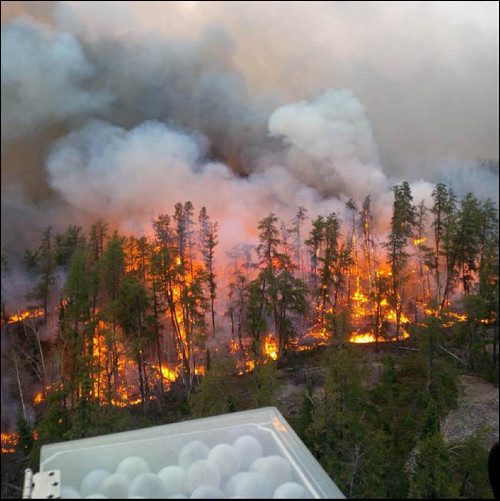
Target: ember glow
x: 270, y: 347
x: 24, y: 315
x: 9, y: 442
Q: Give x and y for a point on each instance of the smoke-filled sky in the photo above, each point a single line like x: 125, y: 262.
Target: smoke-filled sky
x: 122, y: 109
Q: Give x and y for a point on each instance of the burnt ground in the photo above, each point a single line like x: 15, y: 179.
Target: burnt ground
x: 477, y: 407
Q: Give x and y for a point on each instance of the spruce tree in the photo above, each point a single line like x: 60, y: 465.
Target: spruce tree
x: 402, y: 224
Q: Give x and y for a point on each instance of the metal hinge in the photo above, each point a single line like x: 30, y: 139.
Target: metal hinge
x: 43, y: 485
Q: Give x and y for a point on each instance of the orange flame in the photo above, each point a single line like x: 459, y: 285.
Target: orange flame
x: 270, y: 347
x: 419, y: 241
x: 38, y: 398
x: 368, y: 337
x: 9, y: 442
x: 23, y: 315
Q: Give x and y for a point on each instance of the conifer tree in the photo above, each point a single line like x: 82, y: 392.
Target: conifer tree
x: 45, y: 264
x: 402, y: 224
x: 131, y: 305
x: 208, y: 242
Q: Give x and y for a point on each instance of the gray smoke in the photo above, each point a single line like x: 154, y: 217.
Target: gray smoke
x: 43, y: 79
x: 122, y: 109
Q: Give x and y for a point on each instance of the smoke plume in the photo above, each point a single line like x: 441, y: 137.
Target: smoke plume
x: 120, y: 110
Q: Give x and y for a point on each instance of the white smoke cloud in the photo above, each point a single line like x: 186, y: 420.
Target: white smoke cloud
x: 128, y: 176
x: 199, y: 67
x: 42, y: 78
x: 334, y: 134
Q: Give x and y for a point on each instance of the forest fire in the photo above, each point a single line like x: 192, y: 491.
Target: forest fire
x: 9, y: 442
x: 160, y: 316
x: 368, y: 337
x: 270, y: 347
x: 38, y: 398
x: 198, y: 220
x: 24, y: 315
x: 419, y: 241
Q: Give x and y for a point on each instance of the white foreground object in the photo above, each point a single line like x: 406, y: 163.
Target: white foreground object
x: 92, y: 482
x: 148, y: 485
x: 225, y: 458
x: 202, y: 472
x: 276, y: 469
x: 256, y: 464
x: 290, y: 490
x: 231, y: 483
x: 115, y: 486
x: 252, y: 485
x: 191, y: 452
x: 174, y: 480
x: 133, y: 466
x: 70, y: 493
x: 160, y: 446
x: 249, y: 449
x: 207, y: 492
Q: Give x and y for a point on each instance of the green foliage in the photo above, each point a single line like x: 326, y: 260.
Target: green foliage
x: 263, y: 385
x: 339, y: 325
x: 130, y: 307
x: 431, y: 476
x: 112, y: 268
x: 77, y: 287
x: 67, y: 243
x: 91, y: 420
x: 306, y: 411
x: 25, y: 433
x: 218, y: 391
x: 337, y: 435
x: 256, y: 321
x: 44, y: 262
x: 469, y: 468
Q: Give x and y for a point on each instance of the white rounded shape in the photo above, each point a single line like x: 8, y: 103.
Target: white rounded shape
x: 202, y: 472
x: 174, y: 480
x: 276, y: 469
x: 289, y: 490
x: 132, y: 466
x: 225, y: 458
x: 191, y: 452
x: 97, y: 496
x: 231, y: 483
x: 207, y: 492
x: 92, y: 482
x: 115, y: 486
x: 147, y: 485
x: 256, y: 464
x: 249, y: 449
x: 70, y: 493
x: 252, y: 485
